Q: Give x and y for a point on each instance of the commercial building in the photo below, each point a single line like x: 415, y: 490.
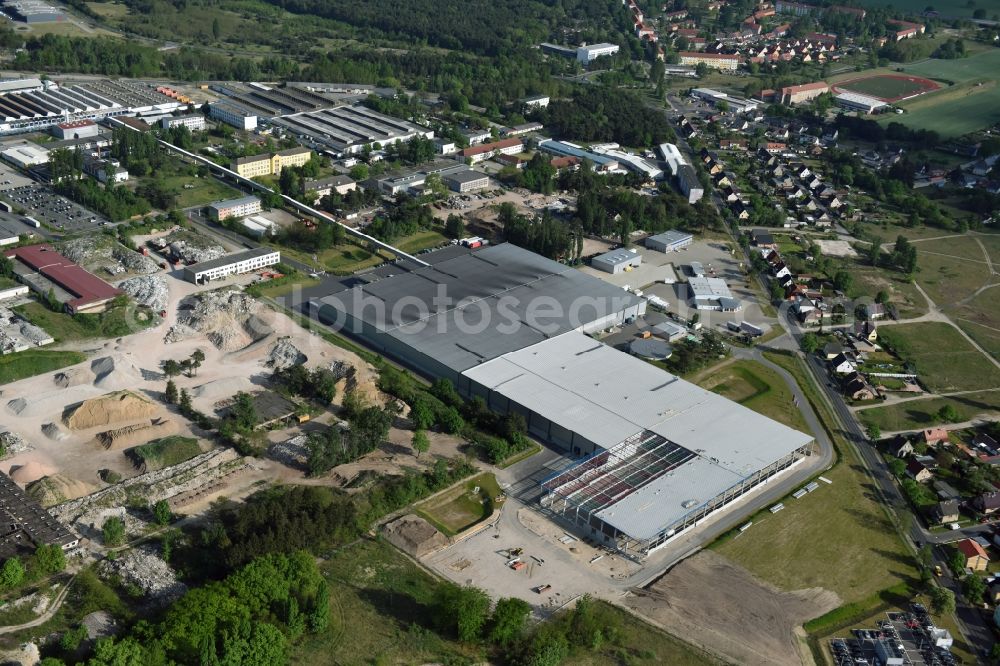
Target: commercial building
x: 485, y: 151
x: 20, y: 85
x: 238, y: 116
x: 536, y: 101
x: 522, y: 129
x: 42, y: 269
x: 234, y: 264
x: 25, y: 525
x: 721, y: 61
x: 669, y: 241
x: 323, y: 187
x: 670, y: 330
x: 223, y: 210
x: 708, y: 293
x: 661, y: 453
x: 689, y: 183
x: 26, y: 155
x: 35, y: 110
x: 803, y: 93
x: 588, y: 54
x: 106, y: 171
x: 858, y: 102
x: 466, y: 180
x: 193, y: 121
x: 632, y: 163
x: 347, y: 130
x: 412, y: 180
x: 76, y: 129
x: 464, y: 310
x: 735, y: 104
x: 617, y: 261
x: 271, y: 164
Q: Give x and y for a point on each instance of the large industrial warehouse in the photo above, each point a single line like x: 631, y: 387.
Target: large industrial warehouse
x: 655, y: 454
x: 346, y: 130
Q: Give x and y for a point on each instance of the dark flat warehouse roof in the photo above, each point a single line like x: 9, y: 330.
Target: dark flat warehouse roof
x: 499, y: 299
x: 87, y: 288
x: 21, y: 515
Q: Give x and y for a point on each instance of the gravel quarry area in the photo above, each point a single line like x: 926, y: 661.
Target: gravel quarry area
x: 103, y: 255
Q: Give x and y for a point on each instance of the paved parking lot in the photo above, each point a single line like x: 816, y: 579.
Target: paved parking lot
x: 909, y: 636
x: 49, y: 208
x: 11, y: 178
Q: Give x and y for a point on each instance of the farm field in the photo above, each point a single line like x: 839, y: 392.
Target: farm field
x: 756, y: 387
x: 944, y: 360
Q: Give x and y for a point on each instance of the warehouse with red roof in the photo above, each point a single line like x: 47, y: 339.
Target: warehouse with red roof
x: 84, y: 291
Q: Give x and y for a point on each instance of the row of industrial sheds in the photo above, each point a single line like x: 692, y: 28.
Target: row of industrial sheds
x: 652, y: 454
x: 25, y: 106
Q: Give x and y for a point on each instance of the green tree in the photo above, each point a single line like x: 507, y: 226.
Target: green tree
x: 170, y: 394
x: 810, y: 343
x: 462, y: 611
x: 873, y: 431
x: 12, y: 573
x: 842, y: 280
x: 171, y: 368
x: 701, y: 70
x: 184, y: 401
x: 216, y: 28
x: 197, y: 358
x: 942, y: 600
x: 421, y: 443
x: 162, y: 513
x: 974, y: 589
x: 113, y: 531
x: 508, y: 620
x: 50, y: 559
x: 548, y: 647
x: 453, y: 226
x: 948, y: 414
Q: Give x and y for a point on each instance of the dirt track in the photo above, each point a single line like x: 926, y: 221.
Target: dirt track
x: 707, y: 599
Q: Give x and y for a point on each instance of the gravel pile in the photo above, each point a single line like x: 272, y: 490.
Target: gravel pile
x: 150, y: 291
x: 226, y: 317
x: 107, y: 255
x: 284, y: 355
x: 13, y: 444
x: 190, y: 250
x: 143, y: 568
x: 292, y: 452
x: 54, y: 432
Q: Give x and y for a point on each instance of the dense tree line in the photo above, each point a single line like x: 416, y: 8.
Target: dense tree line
x: 114, y: 202
x: 403, y: 218
x: 596, y: 113
x: 542, y: 234
x: 368, y: 428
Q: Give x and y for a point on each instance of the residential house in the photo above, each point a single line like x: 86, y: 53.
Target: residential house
x: 832, y: 349
x: 945, y: 512
x: 865, y: 330
x: 856, y: 388
x: 935, y: 436
x: 987, y: 503
x: 763, y: 238
x: 875, y: 311
x: 917, y: 471
x: 843, y: 365
x: 974, y: 554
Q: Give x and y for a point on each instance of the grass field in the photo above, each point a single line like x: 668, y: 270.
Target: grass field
x: 972, y: 103
x: 64, y: 327
x: 948, y: 280
x: 420, y: 241
x: 202, y: 192
x: 163, y: 452
x: 462, y: 507
x: 380, y: 608
x: 842, y: 522
x: 33, y: 362
x: 756, y: 387
x: 339, y: 259
x: 903, y: 294
x: 960, y: 9
x: 944, y: 360
x: 919, y: 414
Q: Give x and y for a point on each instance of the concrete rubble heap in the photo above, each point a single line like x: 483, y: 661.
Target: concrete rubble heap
x: 143, y: 568
x: 107, y: 256
x: 150, y: 291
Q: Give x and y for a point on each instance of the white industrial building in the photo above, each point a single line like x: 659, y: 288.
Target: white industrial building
x: 672, y: 156
x: 347, y: 130
x: 233, y: 114
x: 75, y: 129
x: 647, y: 453
x: 258, y: 226
x: 708, y: 293
x: 714, y: 97
x: 234, y: 264
x: 617, y: 261
x: 588, y: 54
x: 21, y: 85
x: 193, y: 121
x: 669, y: 241
x: 465, y: 180
x: 858, y: 102
x: 633, y: 163
x: 689, y: 183
x: 26, y: 155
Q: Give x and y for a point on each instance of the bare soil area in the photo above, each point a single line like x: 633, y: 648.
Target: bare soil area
x: 709, y: 600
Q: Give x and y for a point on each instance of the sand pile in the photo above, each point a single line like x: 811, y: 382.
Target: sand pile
x: 221, y: 389
x: 414, y: 535
x: 134, y: 435
x: 30, y: 471
x: 118, y: 407
x: 115, y: 373
x: 54, y: 432
x: 72, y: 377
x: 284, y: 355
x: 56, y: 489
x: 227, y: 317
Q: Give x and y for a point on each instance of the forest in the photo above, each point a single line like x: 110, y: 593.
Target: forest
x: 604, y: 114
